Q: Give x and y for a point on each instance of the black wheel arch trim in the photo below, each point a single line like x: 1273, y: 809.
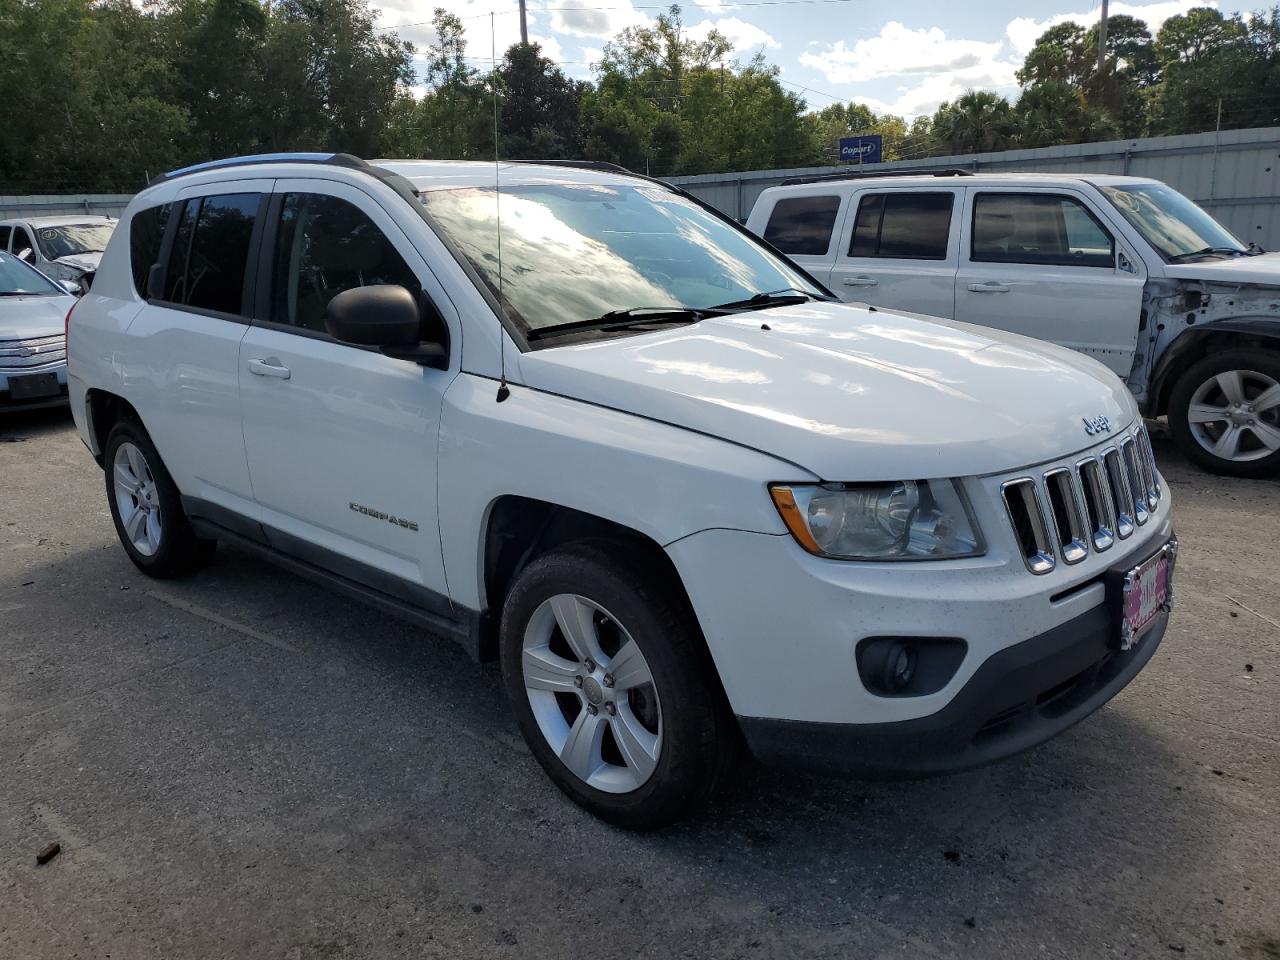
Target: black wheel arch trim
x: 1185, y: 349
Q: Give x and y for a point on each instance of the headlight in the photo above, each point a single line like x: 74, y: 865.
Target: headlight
x: 902, y: 520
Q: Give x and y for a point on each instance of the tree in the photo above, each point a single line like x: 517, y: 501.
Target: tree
x: 977, y: 122
x: 1207, y: 65
x: 1052, y: 112
x: 541, y: 107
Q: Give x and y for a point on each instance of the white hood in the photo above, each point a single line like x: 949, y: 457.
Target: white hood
x: 849, y: 393
x: 1262, y: 269
x: 84, y: 262
x: 33, y: 316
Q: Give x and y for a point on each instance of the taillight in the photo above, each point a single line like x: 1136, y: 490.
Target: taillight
x: 66, y: 331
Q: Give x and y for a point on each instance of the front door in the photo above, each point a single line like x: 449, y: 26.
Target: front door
x: 341, y: 440
x: 899, y: 250
x: 1043, y: 264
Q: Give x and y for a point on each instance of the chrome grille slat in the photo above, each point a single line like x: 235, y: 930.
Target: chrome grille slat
x: 1072, y: 509
x: 1119, y: 488
x: 26, y: 352
x: 1026, y: 514
x: 1099, y: 510
x: 1137, y: 485
x: 1065, y: 512
x: 1150, y: 475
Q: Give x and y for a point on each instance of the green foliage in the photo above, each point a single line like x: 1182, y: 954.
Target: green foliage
x: 102, y: 94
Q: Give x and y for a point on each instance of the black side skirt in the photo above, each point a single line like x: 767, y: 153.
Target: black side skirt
x: 391, y: 594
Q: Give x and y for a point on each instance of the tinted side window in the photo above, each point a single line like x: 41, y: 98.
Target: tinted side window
x: 146, y: 231
x: 175, y: 278
x: 5, y: 234
x: 802, y: 225
x: 324, y: 246
x: 1045, y: 229
x: 904, y: 226
x: 220, y: 252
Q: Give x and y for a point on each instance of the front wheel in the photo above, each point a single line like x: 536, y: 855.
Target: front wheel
x: 609, y: 682
x: 1224, y: 413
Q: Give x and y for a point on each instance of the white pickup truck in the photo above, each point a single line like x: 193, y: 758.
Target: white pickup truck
x: 1124, y: 269
x: 595, y: 430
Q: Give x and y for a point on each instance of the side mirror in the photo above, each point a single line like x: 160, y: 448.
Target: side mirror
x: 385, y: 316
x: 71, y: 287
x: 27, y: 255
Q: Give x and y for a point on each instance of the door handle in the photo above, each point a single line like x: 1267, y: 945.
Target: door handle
x: 991, y: 286
x: 859, y: 281
x: 271, y: 367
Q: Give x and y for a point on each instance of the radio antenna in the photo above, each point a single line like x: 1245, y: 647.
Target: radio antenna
x: 503, y: 390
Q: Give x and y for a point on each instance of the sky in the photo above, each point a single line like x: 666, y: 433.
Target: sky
x: 900, y: 58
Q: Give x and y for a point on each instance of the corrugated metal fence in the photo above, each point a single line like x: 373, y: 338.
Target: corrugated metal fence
x: 1235, y: 175
x: 62, y: 205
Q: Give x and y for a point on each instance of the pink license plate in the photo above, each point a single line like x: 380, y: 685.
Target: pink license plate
x: 1146, y: 594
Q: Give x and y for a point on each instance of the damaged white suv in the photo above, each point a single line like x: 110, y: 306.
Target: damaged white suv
x: 1126, y: 270
x: 596, y: 431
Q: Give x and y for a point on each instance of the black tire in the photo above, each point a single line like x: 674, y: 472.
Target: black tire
x: 179, y: 551
x: 697, y: 729
x: 1264, y: 362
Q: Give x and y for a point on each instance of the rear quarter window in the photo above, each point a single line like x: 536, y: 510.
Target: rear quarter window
x: 802, y: 225
x: 146, y: 233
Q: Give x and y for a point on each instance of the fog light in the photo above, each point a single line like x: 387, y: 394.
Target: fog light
x: 901, y: 664
x: 908, y: 666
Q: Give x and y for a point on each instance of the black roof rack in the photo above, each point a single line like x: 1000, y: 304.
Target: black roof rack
x: 852, y: 175
x: 334, y: 159
x: 603, y: 165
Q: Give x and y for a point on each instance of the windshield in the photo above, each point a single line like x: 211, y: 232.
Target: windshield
x: 18, y: 279
x: 576, y: 252
x: 72, y: 238
x: 1170, y: 222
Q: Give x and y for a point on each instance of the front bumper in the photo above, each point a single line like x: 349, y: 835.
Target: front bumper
x: 1019, y: 698
x: 8, y: 404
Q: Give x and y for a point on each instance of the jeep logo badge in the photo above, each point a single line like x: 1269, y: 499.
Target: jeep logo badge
x: 1096, y: 425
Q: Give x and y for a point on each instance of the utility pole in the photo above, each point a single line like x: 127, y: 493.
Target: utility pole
x: 1102, y: 38
x: 524, y: 25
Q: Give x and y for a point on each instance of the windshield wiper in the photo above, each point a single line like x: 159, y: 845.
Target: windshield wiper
x: 771, y: 298
x: 621, y: 319
x: 1208, y: 251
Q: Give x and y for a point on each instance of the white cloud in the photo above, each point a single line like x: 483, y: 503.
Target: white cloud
x: 1023, y: 31
x: 599, y: 23
x: 897, y: 50
x: 738, y: 32
x: 715, y: 6
x: 948, y: 66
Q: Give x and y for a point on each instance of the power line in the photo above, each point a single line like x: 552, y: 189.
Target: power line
x: 638, y: 6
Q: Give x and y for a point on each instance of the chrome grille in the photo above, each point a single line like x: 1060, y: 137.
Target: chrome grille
x: 22, y: 354
x: 1066, y: 512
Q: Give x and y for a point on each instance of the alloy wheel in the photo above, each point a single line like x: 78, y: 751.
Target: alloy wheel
x: 1235, y: 415
x: 137, y: 499
x: 592, y: 693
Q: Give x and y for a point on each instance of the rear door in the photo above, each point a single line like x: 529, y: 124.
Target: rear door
x: 803, y: 225
x: 900, y: 248
x: 341, y: 439
x: 1044, y: 264
x: 183, y: 373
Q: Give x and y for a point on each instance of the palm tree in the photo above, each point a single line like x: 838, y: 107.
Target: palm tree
x: 978, y: 122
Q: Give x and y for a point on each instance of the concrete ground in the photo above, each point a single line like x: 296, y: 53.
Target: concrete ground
x: 241, y: 765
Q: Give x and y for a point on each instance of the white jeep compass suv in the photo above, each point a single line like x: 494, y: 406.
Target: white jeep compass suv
x: 591, y: 428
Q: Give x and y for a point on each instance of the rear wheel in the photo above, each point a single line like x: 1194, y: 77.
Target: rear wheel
x: 609, y: 683
x: 146, y: 508
x: 1224, y: 413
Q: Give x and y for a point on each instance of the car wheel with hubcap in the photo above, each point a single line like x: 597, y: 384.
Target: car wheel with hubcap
x: 1225, y: 413
x: 610, y: 683
x: 146, y: 507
